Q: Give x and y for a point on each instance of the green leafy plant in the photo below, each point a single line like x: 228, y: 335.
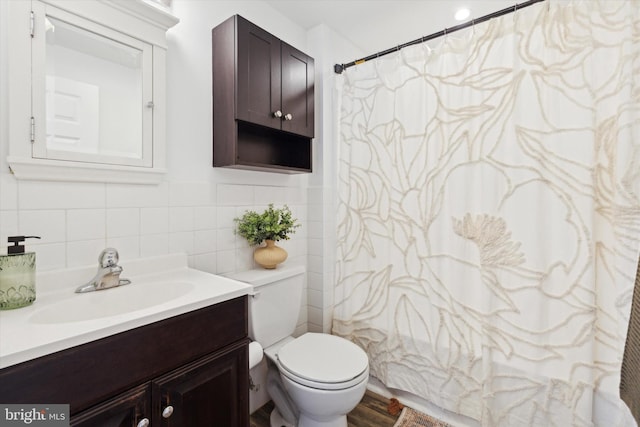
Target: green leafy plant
x: 272, y: 224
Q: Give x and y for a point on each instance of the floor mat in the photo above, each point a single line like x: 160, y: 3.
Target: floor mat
x: 412, y: 418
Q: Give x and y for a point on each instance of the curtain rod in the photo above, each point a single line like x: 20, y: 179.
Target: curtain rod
x: 339, y: 68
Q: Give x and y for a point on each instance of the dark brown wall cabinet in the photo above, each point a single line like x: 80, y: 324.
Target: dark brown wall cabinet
x: 186, y: 371
x: 263, y: 111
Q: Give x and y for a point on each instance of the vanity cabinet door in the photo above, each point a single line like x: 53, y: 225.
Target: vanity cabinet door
x: 213, y: 391
x: 128, y: 409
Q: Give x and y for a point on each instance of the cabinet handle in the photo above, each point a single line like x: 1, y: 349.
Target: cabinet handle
x: 166, y: 412
x: 277, y: 114
x: 288, y: 116
x: 143, y: 422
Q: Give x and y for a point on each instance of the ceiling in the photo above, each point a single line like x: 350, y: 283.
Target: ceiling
x: 375, y: 25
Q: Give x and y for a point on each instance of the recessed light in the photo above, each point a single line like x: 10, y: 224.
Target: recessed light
x: 462, y: 14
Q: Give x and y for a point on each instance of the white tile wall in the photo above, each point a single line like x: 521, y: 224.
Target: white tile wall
x: 128, y: 246
x: 8, y: 193
x: 181, y: 219
x: 84, y: 224
x: 315, y: 246
x: 51, y: 257
x: 314, y: 281
x: 154, y: 245
x: 226, y: 260
x: 60, y: 195
x: 191, y: 194
x: 50, y: 225
x: 181, y: 242
x: 225, y: 216
x: 154, y: 220
x: 315, y: 263
x: 123, y: 222
x: 205, y: 262
x: 8, y: 225
x: 78, y: 220
x: 83, y: 252
x: 320, y: 303
x: 315, y: 297
x: 204, y: 218
x: 204, y: 241
x: 234, y: 195
x: 142, y: 196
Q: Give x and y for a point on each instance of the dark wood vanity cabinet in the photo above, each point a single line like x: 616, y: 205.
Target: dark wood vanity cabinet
x: 263, y: 100
x: 203, y: 394
x: 125, y: 410
x: 187, y: 371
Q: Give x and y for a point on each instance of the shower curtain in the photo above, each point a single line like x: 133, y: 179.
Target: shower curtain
x: 488, y: 221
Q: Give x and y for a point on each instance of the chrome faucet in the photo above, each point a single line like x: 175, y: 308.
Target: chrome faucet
x: 108, y: 275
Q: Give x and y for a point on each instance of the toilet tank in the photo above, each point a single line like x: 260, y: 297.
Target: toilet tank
x: 275, y: 306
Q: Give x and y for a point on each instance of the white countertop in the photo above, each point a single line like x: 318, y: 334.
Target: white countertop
x: 60, y: 318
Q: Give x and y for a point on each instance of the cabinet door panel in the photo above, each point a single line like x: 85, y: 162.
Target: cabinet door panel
x: 297, y: 91
x: 209, y: 392
x: 125, y: 410
x: 259, y: 68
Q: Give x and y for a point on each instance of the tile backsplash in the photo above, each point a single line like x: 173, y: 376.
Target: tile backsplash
x: 77, y: 220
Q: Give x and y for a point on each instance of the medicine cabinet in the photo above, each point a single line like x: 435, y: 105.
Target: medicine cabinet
x: 87, y: 90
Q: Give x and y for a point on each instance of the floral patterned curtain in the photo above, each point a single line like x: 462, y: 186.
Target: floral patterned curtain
x: 489, y: 214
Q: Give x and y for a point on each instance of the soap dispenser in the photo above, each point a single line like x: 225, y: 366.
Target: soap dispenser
x: 17, y: 275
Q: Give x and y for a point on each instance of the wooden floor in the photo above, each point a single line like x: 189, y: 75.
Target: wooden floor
x: 371, y: 412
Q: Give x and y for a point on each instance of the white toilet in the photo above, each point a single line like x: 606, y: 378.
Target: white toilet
x: 313, y: 380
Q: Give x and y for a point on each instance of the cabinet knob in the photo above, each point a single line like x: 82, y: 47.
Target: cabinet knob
x: 166, y: 412
x: 143, y: 422
x: 277, y: 114
x: 288, y: 116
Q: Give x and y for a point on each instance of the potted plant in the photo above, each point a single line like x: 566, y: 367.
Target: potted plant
x: 269, y: 226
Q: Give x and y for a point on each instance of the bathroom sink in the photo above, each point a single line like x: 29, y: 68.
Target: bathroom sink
x: 111, y: 302
x: 161, y: 287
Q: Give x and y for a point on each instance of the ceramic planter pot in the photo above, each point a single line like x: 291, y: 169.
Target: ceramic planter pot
x: 269, y: 256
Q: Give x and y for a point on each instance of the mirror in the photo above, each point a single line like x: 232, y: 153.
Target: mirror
x: 93, y: 93
x: 97, y: 100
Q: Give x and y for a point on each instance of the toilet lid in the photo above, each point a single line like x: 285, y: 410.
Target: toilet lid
x: 323, y: 358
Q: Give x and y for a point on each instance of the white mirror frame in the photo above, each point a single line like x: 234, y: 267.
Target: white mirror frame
x: 135, y: 18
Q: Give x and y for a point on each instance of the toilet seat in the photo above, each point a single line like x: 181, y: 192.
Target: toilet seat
x: 323, y: 361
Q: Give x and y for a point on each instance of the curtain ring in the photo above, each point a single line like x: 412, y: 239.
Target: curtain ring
x: 425, y: 48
